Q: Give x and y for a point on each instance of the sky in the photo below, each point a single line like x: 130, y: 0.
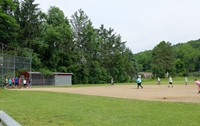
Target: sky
x: 143, y: 24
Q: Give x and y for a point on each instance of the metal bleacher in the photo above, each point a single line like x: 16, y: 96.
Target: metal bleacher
x: 6, y: 120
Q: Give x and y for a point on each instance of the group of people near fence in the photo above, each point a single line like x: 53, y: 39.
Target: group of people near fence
x: 13, y: 82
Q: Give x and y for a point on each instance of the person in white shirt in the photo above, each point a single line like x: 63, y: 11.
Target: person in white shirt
x: 170, y: 82
x: 186, y: 81
x: 158, y: 80
x: 112, y: 81
x: 24, y: 82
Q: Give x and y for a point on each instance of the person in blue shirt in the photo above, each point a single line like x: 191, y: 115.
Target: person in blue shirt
x: 10, y: 82
x: 139, y: 82
x: 16, y: 81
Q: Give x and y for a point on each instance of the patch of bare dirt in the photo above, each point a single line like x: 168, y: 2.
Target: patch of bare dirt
x: 179, y: 93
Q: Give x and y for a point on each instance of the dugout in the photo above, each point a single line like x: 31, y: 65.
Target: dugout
x: 56, y: 79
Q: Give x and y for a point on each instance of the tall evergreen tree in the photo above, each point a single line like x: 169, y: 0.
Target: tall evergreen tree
x: 30, y: 19
x: 163, y: 59
x: 82, y: 39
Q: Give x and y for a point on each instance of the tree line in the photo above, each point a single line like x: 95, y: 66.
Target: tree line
x: 177, y: 60
x: 57, y: 43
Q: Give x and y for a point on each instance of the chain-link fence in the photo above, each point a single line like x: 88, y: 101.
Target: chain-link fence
x: 11, y: 66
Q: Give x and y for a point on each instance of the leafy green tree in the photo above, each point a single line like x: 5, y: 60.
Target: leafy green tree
x: 130, y: 65
x: 8, y: 25
x: 163, y: 59
x: 57, y: 38
x: 180, y: 68
x: 187, y: 58
x: 55, y: 16
x: 7, y: 6
x: 188, y: 55
x: 144, y: 60
x: 101, y: 53
x: 92, y: 55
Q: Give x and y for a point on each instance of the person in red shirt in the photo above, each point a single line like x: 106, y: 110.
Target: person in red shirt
x: 13, y: 81
x: 19, y: 82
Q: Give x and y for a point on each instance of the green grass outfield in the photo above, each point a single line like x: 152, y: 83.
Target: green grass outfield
x: 31, y: 108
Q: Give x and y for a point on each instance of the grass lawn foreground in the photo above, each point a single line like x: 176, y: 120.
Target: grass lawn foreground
x: 61, y: 109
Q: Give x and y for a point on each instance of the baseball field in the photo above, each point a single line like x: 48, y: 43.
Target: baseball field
x: 179, y: 93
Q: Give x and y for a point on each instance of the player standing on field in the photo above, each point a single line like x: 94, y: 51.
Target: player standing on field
x: 139, y: 82
x: 170, y: 82
x: 198, y: 84
x: 186, y: 80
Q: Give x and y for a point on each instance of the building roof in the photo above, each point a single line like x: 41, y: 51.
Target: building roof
x: 55, y: 73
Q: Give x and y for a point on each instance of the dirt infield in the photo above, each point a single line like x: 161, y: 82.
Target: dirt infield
x: 179, y: 93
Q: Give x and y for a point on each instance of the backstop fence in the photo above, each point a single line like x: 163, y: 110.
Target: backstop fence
x: 11, y: 66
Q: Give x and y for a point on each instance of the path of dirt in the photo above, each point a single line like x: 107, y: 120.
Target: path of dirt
x: 180, y: 93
